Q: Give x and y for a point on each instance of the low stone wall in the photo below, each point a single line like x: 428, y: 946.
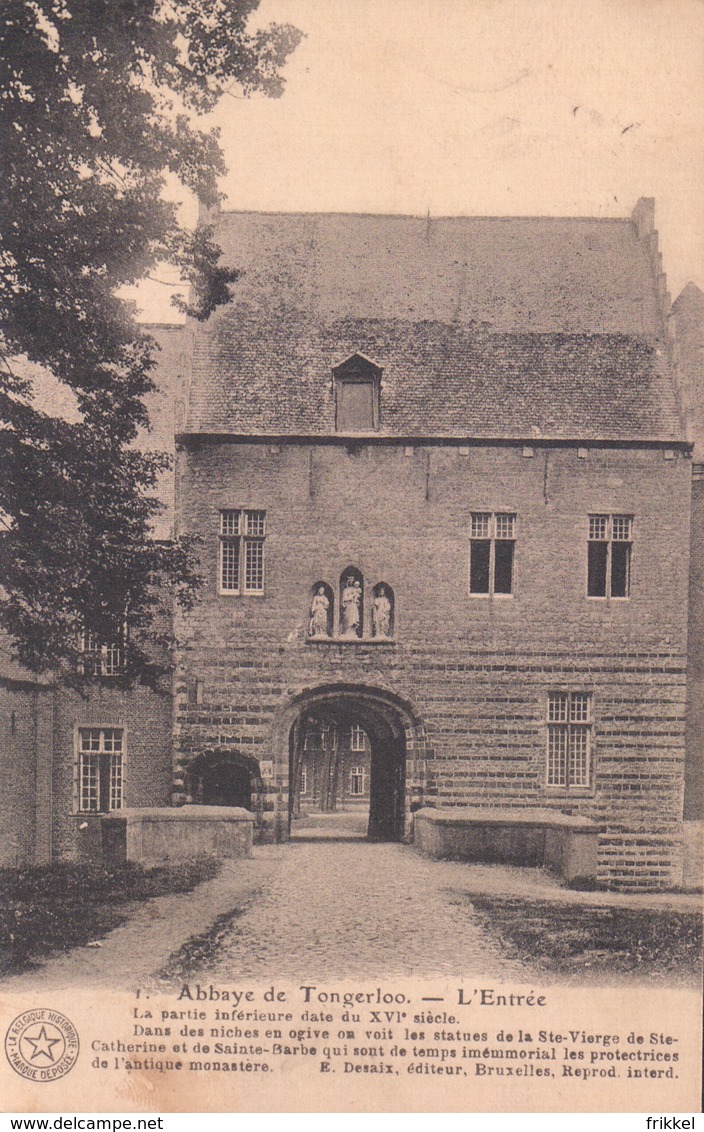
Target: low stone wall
x: 561, y: 842
x: 154, y: 836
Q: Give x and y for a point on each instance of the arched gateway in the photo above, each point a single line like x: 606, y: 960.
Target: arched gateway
x: 223, y: 777
x: 396, y: 751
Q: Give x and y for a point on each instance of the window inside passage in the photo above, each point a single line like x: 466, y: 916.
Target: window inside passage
x: 357, y: 738
x: 357, y: 781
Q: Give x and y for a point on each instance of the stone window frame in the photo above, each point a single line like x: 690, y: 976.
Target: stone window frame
x: 241, y: 533
x: 109, y: 763
x: 569, y: 715
x: 607, y: 529
x: 490, y: 526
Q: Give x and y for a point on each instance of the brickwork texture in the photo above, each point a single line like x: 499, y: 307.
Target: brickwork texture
x: 477, y: 670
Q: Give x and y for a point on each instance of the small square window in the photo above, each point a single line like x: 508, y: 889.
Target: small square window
x: 481, y: 524
x: 558, y: 706
x: 579, y: 708
x: 505, y: 525
x: 622, y: 528
x: 230, y: 523
x: 255, y: 523
x: 598, y: 526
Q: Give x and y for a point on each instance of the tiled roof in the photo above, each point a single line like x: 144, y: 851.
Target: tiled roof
x: 483, y: 328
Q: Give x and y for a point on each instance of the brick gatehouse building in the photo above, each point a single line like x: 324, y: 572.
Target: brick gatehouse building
x: 442, y: 480
x: 442, y: 474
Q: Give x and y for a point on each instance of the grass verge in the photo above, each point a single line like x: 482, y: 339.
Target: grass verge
x: 591, y: 942
x: 200, y: 949
x: 43, y: 910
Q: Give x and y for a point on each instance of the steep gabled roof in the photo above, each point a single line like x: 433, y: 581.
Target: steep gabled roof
x: 482, y: 327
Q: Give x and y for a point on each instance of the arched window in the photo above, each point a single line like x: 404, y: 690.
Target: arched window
x: 321, y: 612
x: 351, y: 603
x: 383, y: 611
x: 222, y: 777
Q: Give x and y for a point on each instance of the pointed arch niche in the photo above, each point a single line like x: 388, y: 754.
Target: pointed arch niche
x: 353, y: 612
x: 383, y: 612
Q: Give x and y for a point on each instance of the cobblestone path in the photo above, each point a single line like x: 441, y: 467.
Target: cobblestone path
x: 338, y: 909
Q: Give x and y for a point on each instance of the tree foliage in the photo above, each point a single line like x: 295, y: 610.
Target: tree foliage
x: 98, y: 100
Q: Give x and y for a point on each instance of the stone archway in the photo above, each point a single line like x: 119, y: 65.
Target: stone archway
x: 396, y: 736
x: 223, y: 777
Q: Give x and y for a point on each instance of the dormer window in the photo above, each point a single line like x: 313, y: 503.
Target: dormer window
x: 357, y: 383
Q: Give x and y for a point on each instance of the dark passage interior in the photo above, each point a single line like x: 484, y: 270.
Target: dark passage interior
x: 347, y: 756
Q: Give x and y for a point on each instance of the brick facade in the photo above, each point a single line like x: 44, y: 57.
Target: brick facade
x: 26, y: 717
x: 39, y: 800
x: 143, y: 717
x: 475, y: 671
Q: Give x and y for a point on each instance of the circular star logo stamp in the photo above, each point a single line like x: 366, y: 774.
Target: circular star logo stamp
x: 42, y: 1045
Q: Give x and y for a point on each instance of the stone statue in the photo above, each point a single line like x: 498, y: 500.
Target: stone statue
x: 318, y: 621
x: 381, y: 614
x: 351, y: 608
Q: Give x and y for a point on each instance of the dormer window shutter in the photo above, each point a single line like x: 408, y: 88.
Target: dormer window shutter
x: 357, y: 385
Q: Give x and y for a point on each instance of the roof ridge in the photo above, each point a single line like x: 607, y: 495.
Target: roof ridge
x: 424, y: 217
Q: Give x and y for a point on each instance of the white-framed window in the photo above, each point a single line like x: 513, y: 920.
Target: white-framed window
x: 357, y: 781
x: 102, y: 660
x: 357, y: 738
x: 100, y: 769
x: 492, y: 541
x: 569, y: 740
x: 328, y: 736
x: 304, y: 780
x: 609, y: 545
x: 242, y: 535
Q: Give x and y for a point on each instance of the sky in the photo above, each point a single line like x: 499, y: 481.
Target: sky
x: 479, y: 107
